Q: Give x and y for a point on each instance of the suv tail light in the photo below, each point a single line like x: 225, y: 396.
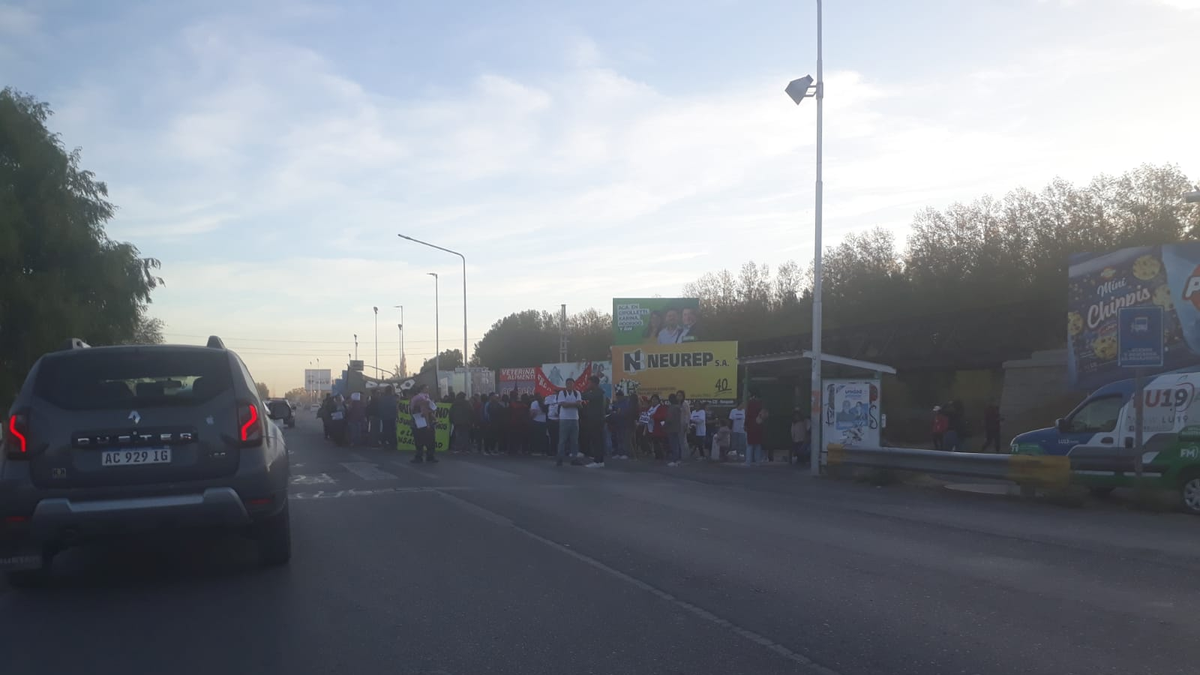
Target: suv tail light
x: 250, y: 424
x: 16, y: 442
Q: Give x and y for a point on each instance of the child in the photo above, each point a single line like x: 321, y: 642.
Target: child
x: 721, y: 442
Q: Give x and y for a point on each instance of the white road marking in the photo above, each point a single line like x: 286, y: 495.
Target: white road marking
x: 321, y: 494
x: 757, y: 638
x: 315, y: 479
x: 368, y: 471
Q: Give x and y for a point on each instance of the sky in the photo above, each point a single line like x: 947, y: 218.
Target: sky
x: 269, y: 152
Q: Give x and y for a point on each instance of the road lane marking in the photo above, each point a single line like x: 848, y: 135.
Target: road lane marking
x: 314, y: 479
x: 757, y: 638
x: 354, y: 492
x: 368, y: 471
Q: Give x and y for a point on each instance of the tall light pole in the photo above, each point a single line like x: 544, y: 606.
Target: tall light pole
x: 376, y: 338
x: 356, y: 346
x: 400, y: 364
x: 464, y: 266
x: 437, y: 350
x: 799, y: 90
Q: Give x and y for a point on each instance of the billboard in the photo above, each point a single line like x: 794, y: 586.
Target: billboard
x: 1101, y: 284
x: 521, y: 379
x: 705, y: 371
x: 552, y: 377
x: 851, y: 415
x: 441, y: 431
x: 656, y: 321
x: 318, y: 379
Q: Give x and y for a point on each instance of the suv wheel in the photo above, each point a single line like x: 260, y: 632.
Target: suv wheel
x: 1189, y: 493
x: 33, y: 578
x: 275, y: 540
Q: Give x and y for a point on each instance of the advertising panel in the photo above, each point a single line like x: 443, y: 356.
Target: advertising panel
x: 404, y: 428
x: 705, y: 371
x: 521, y: 379
x: 656, y: 321
x: 1101, y: 284
x: 552, y: 377
x: 851, y: 415
x: 318, y: 379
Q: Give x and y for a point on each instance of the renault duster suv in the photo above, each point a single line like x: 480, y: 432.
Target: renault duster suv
x: 117, y: 441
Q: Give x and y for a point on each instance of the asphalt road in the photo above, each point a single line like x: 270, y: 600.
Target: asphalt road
x: 511, y: 565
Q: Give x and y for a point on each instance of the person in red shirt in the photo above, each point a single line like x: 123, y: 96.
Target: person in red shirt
x: 940, y: 424
x: 756, y: 416
x: 658, y: 426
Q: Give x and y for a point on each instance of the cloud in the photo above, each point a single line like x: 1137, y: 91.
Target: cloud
x: 16, y: 20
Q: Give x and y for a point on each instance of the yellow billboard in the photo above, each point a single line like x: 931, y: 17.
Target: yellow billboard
x: 705, y: 371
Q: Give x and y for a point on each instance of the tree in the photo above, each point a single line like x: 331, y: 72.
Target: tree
x: 528, y: 338
x: 148, y: 331
x: 60, y: 274
x: 263, y: 390
x: 297, y: 394
x: 450, y: 359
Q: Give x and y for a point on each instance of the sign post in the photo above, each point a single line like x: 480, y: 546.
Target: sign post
x: 1139, y: 346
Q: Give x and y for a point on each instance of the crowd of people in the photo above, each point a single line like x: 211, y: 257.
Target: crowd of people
x: 581, y: 426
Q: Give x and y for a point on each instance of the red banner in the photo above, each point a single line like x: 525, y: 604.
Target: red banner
x: 544, y: 387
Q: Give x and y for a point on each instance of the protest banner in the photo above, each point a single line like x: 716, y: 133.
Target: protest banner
x: 656, y: 321
x: 524, y: 380
x: 441, y: 431
x: 550, y: 378
x: 1101, y: 284
x: 706, y: 371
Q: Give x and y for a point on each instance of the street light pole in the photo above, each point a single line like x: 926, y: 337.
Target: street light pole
x: 400, y: 365
x: 466, y: 368
x: 437, y: 350
x: 376, y: 338
x: 356, y: 346
x: 799, y: 90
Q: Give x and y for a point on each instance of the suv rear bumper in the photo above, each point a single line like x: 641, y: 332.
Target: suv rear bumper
x: 65, y: 520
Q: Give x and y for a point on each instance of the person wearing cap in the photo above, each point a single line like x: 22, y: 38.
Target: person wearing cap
x: 941, y: 423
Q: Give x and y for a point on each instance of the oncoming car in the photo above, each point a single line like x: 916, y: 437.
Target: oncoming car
x: 117, y: 441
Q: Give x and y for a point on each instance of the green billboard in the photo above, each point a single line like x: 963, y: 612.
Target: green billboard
x: 662, y: 321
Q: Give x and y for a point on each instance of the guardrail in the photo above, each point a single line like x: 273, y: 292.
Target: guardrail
x: 1025, y: 470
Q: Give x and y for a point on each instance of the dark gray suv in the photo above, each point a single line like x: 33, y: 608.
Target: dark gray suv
x: 110, y: 441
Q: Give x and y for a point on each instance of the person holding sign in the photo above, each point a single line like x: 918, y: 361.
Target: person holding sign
x: 424, y: 415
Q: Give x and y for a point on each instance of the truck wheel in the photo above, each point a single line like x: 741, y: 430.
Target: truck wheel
x: 1189, y: 493
x: 275, y: 540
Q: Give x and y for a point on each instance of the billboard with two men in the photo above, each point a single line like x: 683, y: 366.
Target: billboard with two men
x: 660, y: 321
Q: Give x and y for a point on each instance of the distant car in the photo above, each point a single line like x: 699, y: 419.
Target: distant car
x: 112, y: 441
x: 283, y: 412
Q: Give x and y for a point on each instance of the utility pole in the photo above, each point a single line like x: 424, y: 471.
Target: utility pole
x: 562, y: 334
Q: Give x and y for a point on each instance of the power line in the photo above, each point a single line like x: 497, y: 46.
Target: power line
x: 320, y: 342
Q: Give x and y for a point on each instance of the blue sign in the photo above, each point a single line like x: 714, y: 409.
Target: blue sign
x: 1140, y: 337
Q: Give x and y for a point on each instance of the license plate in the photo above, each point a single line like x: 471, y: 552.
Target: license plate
x: 135, y: 457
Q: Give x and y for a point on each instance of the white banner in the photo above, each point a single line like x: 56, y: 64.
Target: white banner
x: 852, y: 413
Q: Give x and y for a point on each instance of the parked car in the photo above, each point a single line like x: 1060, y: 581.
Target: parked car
x: 283, y: 412
x: 115, y: 441
x: 1099, y: 436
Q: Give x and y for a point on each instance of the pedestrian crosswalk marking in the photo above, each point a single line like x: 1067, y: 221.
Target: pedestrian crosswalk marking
x: 314, y: 479
x: 368, y: 471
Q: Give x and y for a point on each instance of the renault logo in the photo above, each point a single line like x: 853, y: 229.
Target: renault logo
x: 135, y: 417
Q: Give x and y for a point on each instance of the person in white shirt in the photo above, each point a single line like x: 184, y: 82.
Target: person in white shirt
x: 551, y: 405
x: 700, y: 429
x: 737, y: 423
x: 568, y: 401
x: 685, y: 417
x: 537, y: 412
x: 671, y: 330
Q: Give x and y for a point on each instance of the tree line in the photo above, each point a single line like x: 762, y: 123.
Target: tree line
x: 978, y: 254
x: 61, y: 275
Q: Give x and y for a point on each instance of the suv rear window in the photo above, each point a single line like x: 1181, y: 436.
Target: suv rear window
x: 101, y: 379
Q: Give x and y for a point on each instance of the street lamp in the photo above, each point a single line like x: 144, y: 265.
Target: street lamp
x: 356, y: 346
x: 400, y: 363
x: 437, y: 352
x: 799, y: 90
x: 464, y: 266
x: 376, y: 337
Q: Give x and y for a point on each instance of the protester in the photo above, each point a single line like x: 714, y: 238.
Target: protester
x: 955, y: 437
x: 388, y: 410
x: 537, y: 413
x: 658, y: 421
x: 569, y: 402
x: 593, y: 421
x: 494, y: 420
x: 991, y: 427
x: 941, y: 424
x: 671, y: 426
x: 552, y: 422
x: 325, y: 413
x: 699, y: 419
x: 799, y: 434
x: 721, y: 442
x: 337, y: 417
x: 642, y: 432
x: 737, y: 428
x: 518, y: 424
x: 356, y: 419
x: 622, y: 425
x: 756, y: 416
x: 424, y: 415
x: 373, y: 418
x: 460, y: 424
x: 685, y: 419
x: 476, y: 423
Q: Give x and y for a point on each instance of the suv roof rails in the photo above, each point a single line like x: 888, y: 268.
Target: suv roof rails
x: 73, y: 343
x: 214, y: 342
